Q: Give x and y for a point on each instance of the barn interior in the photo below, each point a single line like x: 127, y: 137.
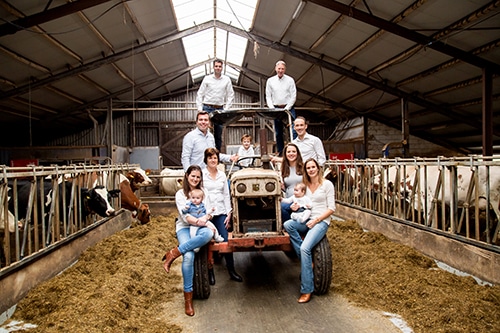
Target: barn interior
x: 107, y: 87
x: 428, y: 70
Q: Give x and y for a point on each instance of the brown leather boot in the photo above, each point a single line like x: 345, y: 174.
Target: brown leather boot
x: 169, y: 257
x: 188, y: 303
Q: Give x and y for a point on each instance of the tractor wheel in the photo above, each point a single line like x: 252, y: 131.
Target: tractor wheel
x: 201, y: 287
x: 322, y: 260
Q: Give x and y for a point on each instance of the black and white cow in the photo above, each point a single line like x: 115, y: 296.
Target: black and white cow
x: 95, y: 200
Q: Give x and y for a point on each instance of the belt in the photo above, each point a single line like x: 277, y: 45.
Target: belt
x: 280, y: 106
x: 213, y: 106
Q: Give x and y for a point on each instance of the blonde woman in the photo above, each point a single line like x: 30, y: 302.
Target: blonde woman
x: 322, y: 195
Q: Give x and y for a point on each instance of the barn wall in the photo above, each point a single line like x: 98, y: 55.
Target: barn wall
x: 144, y: 129
x: 380, y: 134
x: 348, y: 137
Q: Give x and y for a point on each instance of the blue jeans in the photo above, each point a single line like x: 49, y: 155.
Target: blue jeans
x: 286, y: 211
x: 218, y: 221
x: 278, y: 125
x: 186, y: 247
x: 217, y: 128
x: 304, y: 248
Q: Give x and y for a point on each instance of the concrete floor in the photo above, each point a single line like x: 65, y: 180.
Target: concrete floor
x: 266, y: 301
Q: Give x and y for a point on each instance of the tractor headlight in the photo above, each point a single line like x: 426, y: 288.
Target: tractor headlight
x: 270, y: 187
x: 241, y: 188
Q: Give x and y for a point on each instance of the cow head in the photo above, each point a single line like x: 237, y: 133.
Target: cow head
x: 96, y: 201
x: 138, y: 178
x: 144, y: 214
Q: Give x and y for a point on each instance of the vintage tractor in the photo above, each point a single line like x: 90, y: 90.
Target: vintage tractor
x: 257, y: 225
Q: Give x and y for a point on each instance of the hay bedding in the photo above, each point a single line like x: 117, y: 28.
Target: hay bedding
x: 119, y: 285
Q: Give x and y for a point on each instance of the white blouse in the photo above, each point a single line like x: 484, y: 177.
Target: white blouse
x: 218, y: 193
x: 322, y: 199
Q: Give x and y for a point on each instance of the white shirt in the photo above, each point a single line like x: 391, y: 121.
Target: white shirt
x: 242, y: 152
x: 215, y: 91
x: 311, y: 147
x: 194, y: 145
x: 290, y: 181
x: 304, y: 201
x: 218, y: 192
x: 281, y: 91
x: 322, y: 199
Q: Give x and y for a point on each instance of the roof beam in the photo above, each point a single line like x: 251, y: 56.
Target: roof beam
x: 383, y: 86
x: 408, y: 34
x: 47, y: 16
x: 332, y: 103
x: 106, y: 60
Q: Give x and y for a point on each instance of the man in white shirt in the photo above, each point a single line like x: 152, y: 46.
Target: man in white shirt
x: 215, y: 93
x: 281, y: 93
x: 196, y: 141
x: 310, y: 146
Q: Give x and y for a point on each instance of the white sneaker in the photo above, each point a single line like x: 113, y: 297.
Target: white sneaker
x: 218, y: 238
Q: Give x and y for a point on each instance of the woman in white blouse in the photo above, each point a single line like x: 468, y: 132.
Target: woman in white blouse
x: 322, y: 195
x: 291, y: 174
x: 215, y: 183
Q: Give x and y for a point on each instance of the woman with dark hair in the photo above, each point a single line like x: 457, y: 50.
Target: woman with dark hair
x: 216, y: 185
x: 322, y: 195
x: 291, y: 174
x: 193, y: 179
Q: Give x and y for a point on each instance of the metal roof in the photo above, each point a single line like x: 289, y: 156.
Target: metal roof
x: 61, y: 61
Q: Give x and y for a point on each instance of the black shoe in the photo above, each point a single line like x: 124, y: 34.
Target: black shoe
x: 211, y: 276
x: 234, y: 276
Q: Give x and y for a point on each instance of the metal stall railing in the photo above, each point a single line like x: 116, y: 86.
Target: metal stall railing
x: 459, y: 196
x: 41, y: 206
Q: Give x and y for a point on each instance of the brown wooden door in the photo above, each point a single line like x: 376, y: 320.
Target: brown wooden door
x: 171, y: 136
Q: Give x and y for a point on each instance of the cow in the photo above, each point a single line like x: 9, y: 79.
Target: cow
x: 138, y: 177
x: 11, y: 222
x: 47, y: 205
x: 428, y: 192
x: 93, y: 200
x: 130, y: 201
x: 339, y: 176
x: 438, y: 190
x: 171, y: 181
x: 392, y: 187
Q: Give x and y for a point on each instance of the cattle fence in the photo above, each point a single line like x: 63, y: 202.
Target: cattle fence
x: 457, y: 196
x: 42, y: 206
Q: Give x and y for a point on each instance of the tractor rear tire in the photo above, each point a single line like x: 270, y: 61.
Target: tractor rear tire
x: 201, y: 286
x: 323, y: 267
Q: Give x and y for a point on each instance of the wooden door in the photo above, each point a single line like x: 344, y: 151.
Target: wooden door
x: 171, y: 135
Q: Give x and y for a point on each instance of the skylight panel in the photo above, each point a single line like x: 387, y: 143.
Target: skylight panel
x: 208, y: 44
x: 192, y: 12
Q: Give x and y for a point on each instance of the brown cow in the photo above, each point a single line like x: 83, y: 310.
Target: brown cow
x: 138, y: 178
x: 130, y: 201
